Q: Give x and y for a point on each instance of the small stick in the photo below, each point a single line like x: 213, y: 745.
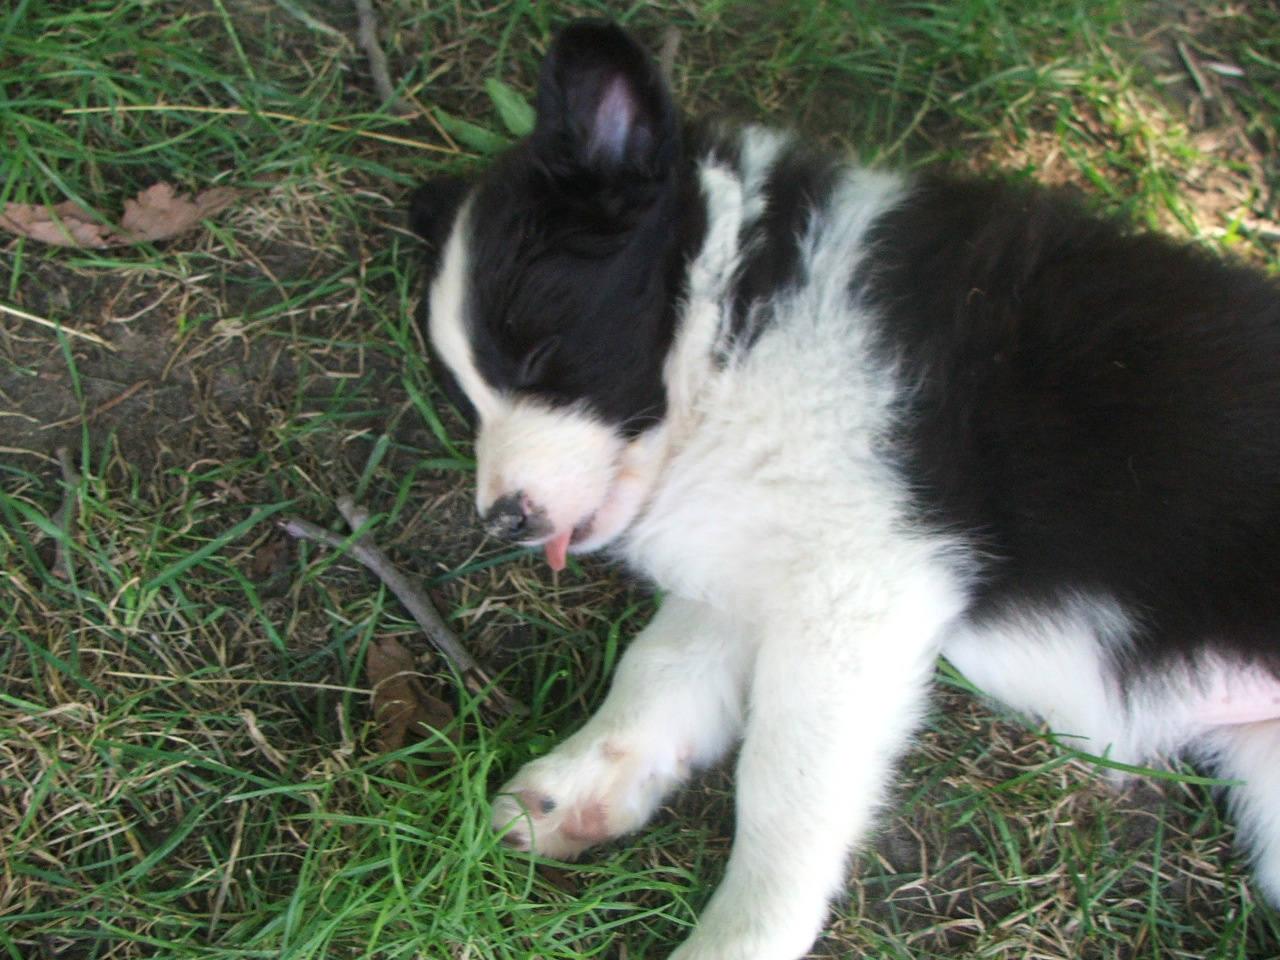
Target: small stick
x: 364, y: 550
x: 667, y: 56
x: 113, y: 402
x: 367, y: 37
x: 65, y: 517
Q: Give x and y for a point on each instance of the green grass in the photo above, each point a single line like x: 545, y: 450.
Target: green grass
x: 188, y: 767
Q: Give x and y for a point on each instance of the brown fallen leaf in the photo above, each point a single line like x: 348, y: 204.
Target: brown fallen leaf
x: 157, y: 213
x: 363, y: 549
x: 269, y: 562
x: 160, y: 212
x: 403, y: 708
x: 68, y: 224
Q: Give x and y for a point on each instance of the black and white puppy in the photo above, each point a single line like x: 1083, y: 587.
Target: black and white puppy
x: 848, y: 420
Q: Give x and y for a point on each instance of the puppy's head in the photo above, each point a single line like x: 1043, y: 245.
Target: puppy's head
x: 552, y: 300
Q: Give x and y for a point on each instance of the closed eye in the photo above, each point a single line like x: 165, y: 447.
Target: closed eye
x: 534, y: 365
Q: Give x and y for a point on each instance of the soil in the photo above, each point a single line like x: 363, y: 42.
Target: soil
x: 186, y: 383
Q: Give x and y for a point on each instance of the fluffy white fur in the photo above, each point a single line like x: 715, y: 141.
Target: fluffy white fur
x: 564, y: 461
x: 572, y: 467
x: 774, y: 633
x: 448, y: 332
x: 770, y: 631
x: 1250, y: 753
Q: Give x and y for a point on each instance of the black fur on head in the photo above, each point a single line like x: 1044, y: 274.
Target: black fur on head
x: 432, y: 208
x: 576, y: 238
x: 608, y: 133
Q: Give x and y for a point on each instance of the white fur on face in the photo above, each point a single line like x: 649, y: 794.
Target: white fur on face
x: 448, y: 326
x: 566, y: 464
x: 561, y: 461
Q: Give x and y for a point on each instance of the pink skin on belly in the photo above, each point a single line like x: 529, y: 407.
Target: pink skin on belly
x: 1241, y: 697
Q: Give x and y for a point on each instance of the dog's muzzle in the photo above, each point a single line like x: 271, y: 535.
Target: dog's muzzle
x: 512, y: 517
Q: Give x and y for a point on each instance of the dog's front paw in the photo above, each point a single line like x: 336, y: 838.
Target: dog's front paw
x: 580, y: 795
x: 535, y: 821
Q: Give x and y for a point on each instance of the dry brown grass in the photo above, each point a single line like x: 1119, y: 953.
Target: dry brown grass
x: 187, y: 764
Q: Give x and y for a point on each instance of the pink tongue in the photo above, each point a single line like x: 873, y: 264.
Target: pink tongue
x: 557, y: 550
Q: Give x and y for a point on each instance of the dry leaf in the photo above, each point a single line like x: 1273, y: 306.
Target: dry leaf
x: 160, y: 212
x: 271, y: 558
x: 67, y: 225
x: 157, y: 213
x: 403, y: 708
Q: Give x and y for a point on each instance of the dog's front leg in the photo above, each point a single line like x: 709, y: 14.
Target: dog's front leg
x: 676, y: 704
x: 831, y: 705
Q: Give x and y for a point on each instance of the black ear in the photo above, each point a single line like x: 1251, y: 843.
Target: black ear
x: 433, y: 207
x: 604, y: 108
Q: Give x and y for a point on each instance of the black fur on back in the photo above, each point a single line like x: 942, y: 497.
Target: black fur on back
x: 1095, y: 410
x: 798, y: 187
x: 1098, y: 410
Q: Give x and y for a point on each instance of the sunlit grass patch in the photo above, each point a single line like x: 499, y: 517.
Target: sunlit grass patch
x: 188, y: 764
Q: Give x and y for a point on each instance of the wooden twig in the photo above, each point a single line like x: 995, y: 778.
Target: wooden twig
x: 98, y: 411
x: 65, y: 518
x: 367, y: 38
x: 364, y: 550
x: 667, y: 56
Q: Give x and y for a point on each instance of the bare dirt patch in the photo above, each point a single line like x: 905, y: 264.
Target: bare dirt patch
x: 271, y: 360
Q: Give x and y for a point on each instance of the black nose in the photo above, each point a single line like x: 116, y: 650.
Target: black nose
x: 506, y: 518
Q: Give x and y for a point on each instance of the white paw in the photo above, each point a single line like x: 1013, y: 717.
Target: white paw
x: 762, y: 911
x: 586, y: 791
x: 744, y: 944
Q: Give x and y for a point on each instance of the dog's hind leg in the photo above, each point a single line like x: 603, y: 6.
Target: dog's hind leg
x: 1250, y: 753
x: 676, y: 704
